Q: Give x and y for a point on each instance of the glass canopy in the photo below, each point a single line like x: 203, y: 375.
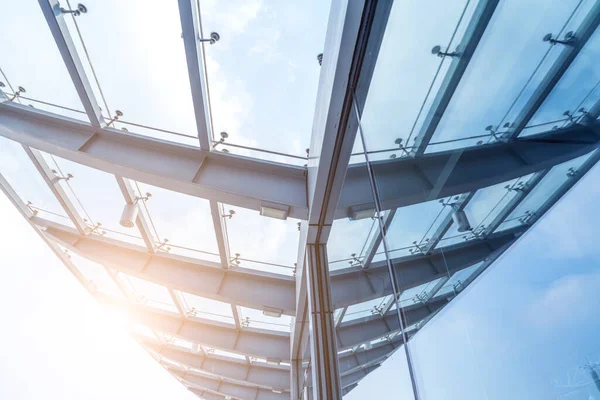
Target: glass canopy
x: 175, y: 176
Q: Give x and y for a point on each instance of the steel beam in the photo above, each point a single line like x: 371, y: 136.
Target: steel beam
x: 194, y: 54
x: 560, y: 66
x: 55, y: 19
x: 476, y: 168
x: 227, y: 391
x: 247, y: 182
x: 252, y: 342
x: 233, y: 369
x: 348, y: 389
x: 241, y: 286
x: 220, y: 384
x: 324, y: 364
x: 257, y: 289
x: 53, y: 182
x: 354, y: 377
x: 471, y: 38
x: 351, y: 35
x: 226, y: 178
x: 355, y: 285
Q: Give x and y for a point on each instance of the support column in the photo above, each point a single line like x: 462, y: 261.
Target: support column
x: 323, y: 346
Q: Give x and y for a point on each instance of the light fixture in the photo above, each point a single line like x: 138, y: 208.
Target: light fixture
x: 273, y: 361
x: 272, y: 312
x: 130, y: 212
x: 368, y: 346
x: 274, y: 210
x: 357, y: 213
x: 460, y: 219
x: 278, y: 391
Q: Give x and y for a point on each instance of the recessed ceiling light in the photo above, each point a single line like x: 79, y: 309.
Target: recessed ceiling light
x: 274, y: 210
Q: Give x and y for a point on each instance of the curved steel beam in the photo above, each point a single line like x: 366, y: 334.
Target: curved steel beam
x: 476, y: 168
x: 228, y: 391
x: 355, y: 285
x: 225, y: 178
x: 250, y: 342
x: 236, y: 370
x: 257, y: 289
x: 242, y: 286
x: 247, y: 182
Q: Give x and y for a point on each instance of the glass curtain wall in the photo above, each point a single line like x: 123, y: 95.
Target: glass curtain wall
x: 526, y: 329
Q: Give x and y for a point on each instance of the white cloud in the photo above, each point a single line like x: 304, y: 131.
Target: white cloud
x: 569, y: 299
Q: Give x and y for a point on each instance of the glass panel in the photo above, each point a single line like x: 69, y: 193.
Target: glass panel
x: 263, y: 73
x: 97, y: 197
x: 23, y: 177
x: 414, y: 226
x: 141, y: 332
x: 516, y: 29
x: 97, y: 277
x: 391, y: 380
x: 149, y: 293
x: 366, y: 309
x: 140, y: 65
x: 293, y: 158
x: 175, y: 341
x: 263, y: 243
x: 406, y: 75
x: 348, y: 235
x: 458, y: 281
x: 184, y: 221
x: 417, y: 294
x: 224, y: 353
x: 257, y: 319
x: 204, y: 308
x: 528, y: 329
x: 483, y: 208
x: 25, y: 40
x: 553, y: 180
x: 576, y: 92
